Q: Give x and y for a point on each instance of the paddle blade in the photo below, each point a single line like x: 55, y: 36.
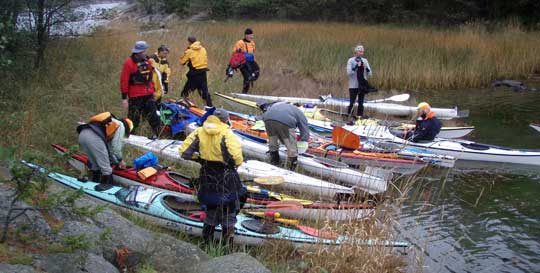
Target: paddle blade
x: 345, y: 138
x: 400, y: 97
x: 285, y: 205
x: 317, y: 232
x: 269, y: 180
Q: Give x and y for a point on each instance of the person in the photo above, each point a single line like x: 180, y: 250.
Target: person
x: 197, y: 60
x: 246, y: 45
x: 281, y: 120
x: 220, y: 189
x: 137, y: 88
x: 359, y: 71
x: 101, y: 140
x: 427, y: 125
x: 159, y: 61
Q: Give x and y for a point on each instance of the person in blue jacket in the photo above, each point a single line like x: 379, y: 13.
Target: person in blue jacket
x: 427, y: 125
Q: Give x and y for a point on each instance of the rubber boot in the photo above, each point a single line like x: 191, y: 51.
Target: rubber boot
x: 274, y: 158
x: 96, y: 176
x: 208, y: 234
x: 227, y: 238
x: 106, y: 183
x: 292, y: 162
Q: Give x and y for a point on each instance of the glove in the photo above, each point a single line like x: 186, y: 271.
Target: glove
x: 302, y: 146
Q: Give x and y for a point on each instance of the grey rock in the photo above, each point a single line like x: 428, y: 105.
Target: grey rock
x: 234, y: 263
x: 16, y: 268
x: 96, y: 263
x: 73, y: 263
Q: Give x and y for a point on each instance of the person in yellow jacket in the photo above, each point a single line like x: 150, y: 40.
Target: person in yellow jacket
x: 197, y: 60
x: 161, y: 64
x: 246, y: 45
x: 220, y: 189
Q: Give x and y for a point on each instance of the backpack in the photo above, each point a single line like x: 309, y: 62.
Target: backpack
x: 253, y: 69
x: 237, y: 60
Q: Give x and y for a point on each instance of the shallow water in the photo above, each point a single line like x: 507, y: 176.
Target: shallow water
x: 482, y: 220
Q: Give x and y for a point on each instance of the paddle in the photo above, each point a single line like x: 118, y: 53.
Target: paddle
x: 396, y: 98
x: 278, y: 196
x: 275, y: 216
x: 269, y: 180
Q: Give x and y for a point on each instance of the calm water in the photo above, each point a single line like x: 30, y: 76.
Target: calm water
x: 488, y: 220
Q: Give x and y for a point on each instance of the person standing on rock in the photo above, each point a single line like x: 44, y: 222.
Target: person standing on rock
x: 159, y: 61
x: 281, y: 120
x: 197, y: 60
x: 137, y: 88
x: 359, y: 71
x: 220, y: 190
x: 246, y: 46
x: 101, y: 139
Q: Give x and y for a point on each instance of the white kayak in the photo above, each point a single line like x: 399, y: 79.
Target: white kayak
x: 378, y: 107
x: 535, y: 126
x: 465, y: 150
x: 250, y: 168
x: 320, y: 167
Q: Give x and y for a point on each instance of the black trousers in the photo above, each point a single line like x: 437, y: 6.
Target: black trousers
x: 245, y: 74
x: 145, y: 106
x: 353, y: 94
x: 197, y: 82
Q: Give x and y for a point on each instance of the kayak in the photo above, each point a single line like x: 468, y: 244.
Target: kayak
x: 464, y: 149
x: 319, y: 121
x: 176, y: 182
x: 248, y: 169
x: 535, y: 126
x: 318, y: 167
x: 178, y: 211
x: 378, y: 107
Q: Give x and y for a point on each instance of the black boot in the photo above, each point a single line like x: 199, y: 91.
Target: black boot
x: 292, y: 162
x: 227, y: 238
x: 208, y: 234
x: 106, y: 183
x: 274, y: 158
x: 96, y: 176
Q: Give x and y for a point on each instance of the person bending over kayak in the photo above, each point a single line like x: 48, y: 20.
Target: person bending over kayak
x: 101, y: 140
x: 137, y: 88
x: 358, y: 70
x: 220, y: 190
x: 281, y: 120
x: 427, y: 125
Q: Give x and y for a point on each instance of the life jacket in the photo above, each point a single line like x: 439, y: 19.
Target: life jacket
x: 237, y: 60
x: 102, y: 125
x: 143, y: 75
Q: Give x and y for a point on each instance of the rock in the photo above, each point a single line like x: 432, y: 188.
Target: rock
x: 239, y: 262
x: 516, y: 86
x: 73, y: 263
x: 16, y: 268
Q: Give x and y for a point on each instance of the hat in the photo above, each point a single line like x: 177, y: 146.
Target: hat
x: 248, y: 31
x: 222, y: 114
x: 128, y: 126
x: 359, y: 48
x: 163, y: 48
x: 263, y: 105
x: 192, y: 39
x: 423, y: 105
x: 140, y: 46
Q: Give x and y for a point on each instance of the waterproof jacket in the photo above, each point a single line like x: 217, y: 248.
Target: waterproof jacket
x: 136, y: 79
x: 219, y: 154
x: 352, y: 70
x: 427, y: 129
x: 289, y: 115
x: 196, y: 58
x: 162, y: 65
x: 245, y: 46
x: 114, y: 143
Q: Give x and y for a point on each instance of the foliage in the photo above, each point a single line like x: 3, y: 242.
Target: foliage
x: 73, y: 243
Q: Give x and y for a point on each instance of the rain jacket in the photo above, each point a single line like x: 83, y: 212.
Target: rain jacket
x: 219, y: 154
x: 289, y: 115
x: 245, y: 46
x: 162, y: 66
x: 131, y: 88
x: 196, y: 58
x: 352, y: 73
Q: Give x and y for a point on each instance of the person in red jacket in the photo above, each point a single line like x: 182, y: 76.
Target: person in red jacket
x: 137, y: 88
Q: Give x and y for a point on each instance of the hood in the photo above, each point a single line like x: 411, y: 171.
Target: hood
x: 214, y: 126
x: 430, y: 115
x: 196, y: 46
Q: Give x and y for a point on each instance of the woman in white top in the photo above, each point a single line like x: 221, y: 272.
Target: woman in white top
x: 358, y: 70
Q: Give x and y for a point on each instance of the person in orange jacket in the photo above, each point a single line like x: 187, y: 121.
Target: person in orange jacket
x: 246, y: 45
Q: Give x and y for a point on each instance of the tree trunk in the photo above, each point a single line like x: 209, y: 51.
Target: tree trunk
x: 41, y: 33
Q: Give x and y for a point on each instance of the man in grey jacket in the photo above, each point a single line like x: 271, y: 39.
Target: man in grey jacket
x: 359, y: 71
x: 281, y: 120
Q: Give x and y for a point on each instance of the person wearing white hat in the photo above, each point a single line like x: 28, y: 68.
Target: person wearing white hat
x: 359, y: 71
x: 137, y: 88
